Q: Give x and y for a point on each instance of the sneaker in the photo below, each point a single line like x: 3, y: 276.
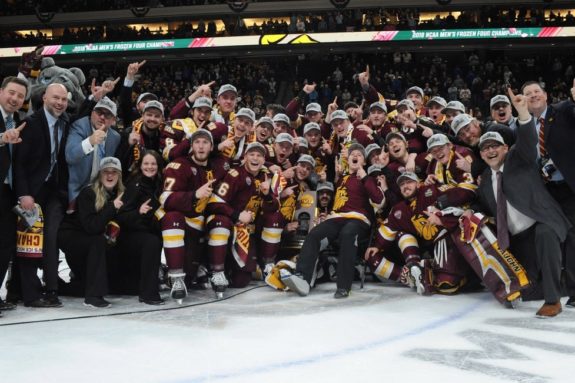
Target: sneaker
x: 4, y: 305
x: 570, y: 302
x: 341, y: 293
x: 96, y: 302
x: 52, y: 297
x: 296, y: 283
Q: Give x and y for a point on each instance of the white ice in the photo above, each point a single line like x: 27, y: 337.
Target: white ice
x: 382, y: 333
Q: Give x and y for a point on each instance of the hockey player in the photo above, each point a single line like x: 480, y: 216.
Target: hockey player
x: 264, y: 131
x: 239, y: 199
x: 276, y: 222
x: 188, y: 185
x: 349, y: 222
x: 234, y: 142
x: 176, y: 137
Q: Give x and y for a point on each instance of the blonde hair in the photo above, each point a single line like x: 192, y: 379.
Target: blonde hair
x: 102, y: 194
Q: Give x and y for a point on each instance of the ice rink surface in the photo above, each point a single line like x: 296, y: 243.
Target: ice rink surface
x: 380, y: 333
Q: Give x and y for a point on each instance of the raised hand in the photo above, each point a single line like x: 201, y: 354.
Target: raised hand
x: 463, y: 163
x: 12, y: 136
x: 145, y: 207
x: 205, y: 190
x: 118, y: 203
x: 519, y: 101
x: 133, y: 69
x: 309, y: 88
x: 363, y: 77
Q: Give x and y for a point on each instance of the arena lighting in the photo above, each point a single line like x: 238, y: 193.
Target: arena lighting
x: 46, y: 10
x: 140, y: 7
x: 443, y: 2
x: 237, y: 5
x: 339, y: 3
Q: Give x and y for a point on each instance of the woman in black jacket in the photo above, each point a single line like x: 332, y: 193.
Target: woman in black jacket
x: 140, y: 240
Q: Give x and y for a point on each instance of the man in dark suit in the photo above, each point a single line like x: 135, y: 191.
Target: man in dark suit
x: 529, y: 221
x: 40, y: 177
x: 555, y: 126
x: 12, y: 96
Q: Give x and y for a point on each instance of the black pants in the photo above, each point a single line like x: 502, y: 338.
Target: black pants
x: 7, y: 229
x: 350, y: 232
x: 539, y: 250
x: 130, y: 267
x: 566, y: 199
x: 53, y: 210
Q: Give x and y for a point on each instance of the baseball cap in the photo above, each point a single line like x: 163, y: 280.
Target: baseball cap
x: 256, y: 146
x: 310, y: 126
x: 325, y: 186
x: 454, y: 105
x: 106, y: 103
x: 491, y: 136
x: 313, y: 107
x: 407, y: 103
x: 284, y: 137
x: 374, y: 169
x: 437, y: 100
x: 246, y: 112
x: 437, y: 140
x: 227, y: 88
x: 394, y: 135
x: 202, y: 133
x: 266, y: 120
x: 154, y: 104
x: 110, y: 163
x: 415, y: 89
x: 356, y: 146
x: 146, y: 96
x: 202, y: 102
x: 302, y: 142
x: 499, y: 98
x: 379, y: 105
x: 407, y: 176
x: 460, y: 121
x: 281, y: 117
x: 307, y: 158
x: 370, y: 149
x: 339, y: 115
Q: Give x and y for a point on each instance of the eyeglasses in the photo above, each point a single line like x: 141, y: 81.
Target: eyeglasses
x: 487, y: 147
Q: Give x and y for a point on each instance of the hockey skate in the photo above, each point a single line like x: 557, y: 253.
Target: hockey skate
x: 418, y: 277
x: 179, y: 291
x: 219, y: 283
x: 296, y: 283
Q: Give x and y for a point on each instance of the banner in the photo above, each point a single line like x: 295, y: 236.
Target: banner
x: 296, y: 39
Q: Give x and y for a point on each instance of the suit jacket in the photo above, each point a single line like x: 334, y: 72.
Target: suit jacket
x: 560, y: 138
x: 33, y: 156
x: 79, y: 163
x: 523, y: 186
x: 5, y: 157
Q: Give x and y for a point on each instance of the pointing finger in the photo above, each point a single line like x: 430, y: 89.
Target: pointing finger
x: 511, y: 94
x: 116, y: 81
x: 141, y: 63
x: 22, y: 125
x: 367, y: 69
x: 335, y: 100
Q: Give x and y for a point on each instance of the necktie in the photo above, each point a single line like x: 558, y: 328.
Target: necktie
x: 56, y: 143
x: 542, y: 151
x: 502, y: 228
x: 9, y: 125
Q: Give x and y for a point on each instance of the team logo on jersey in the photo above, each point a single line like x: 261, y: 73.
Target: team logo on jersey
x: 428, y: 193
x: 194, y: 171
x: 248, y: 181
x: 226, y: 166
x: 397, y: 214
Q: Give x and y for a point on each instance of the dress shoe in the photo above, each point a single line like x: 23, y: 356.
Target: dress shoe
x: 96, y: 302
x: 153, y: 302
x: 42, y: 303
x: 6, y: 305
x: 52, y: 297
x: 549, y: 310
x: 570, y: 302
x: 341, y: 293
